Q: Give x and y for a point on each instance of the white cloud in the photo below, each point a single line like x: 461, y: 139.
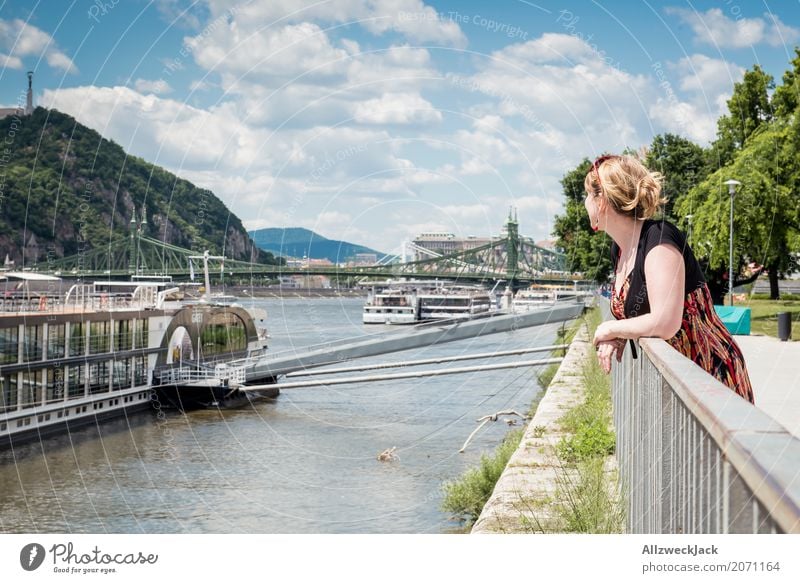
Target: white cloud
x: 396, y: 108
x: 20, y: 39
x: 707, y: 76
x: 549, y: 48
x: 560, y: 81
x: 707, y: 84
x: 413, y: 19
x: 287, y: 51
x: 10, y: 62
x: 158, y: 86
x: 716, y: 28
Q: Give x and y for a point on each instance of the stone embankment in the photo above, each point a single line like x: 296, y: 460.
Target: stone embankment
x: 526, y: 495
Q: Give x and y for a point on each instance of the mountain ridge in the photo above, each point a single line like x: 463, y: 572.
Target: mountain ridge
x: 299, y: 242
x: 66, y: 189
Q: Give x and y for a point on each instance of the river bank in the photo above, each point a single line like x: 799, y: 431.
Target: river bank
x: 540, y: 488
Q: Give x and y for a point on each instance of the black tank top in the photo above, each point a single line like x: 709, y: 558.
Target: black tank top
x: 655, y: 233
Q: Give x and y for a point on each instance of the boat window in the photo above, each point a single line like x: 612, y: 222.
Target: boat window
x: 140, y: 370
x: 225, y: 332
x: 30, y: 393
x: 140, y: 333
x: 54, y: 386
x: 9, y: 345
x: 121, y: 378
x: 99, y: 335
x: 33, y: 343
x: 76, y: 386
x: 56, y: 340
x: 77, y: 339
x: 123, y: 335
x: 98, y: 377
x: 8, y: 398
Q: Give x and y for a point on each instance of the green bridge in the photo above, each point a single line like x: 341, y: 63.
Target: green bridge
x: 510, y: 258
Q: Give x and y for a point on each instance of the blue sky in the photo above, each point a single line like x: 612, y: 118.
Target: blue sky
x: 375, y: 120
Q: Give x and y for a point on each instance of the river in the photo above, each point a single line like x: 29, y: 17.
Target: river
x: 305, y: 462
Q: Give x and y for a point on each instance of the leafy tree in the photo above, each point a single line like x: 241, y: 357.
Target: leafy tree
x: 764, y: 207
x: 586, y: 250
x: 787, y: 97
x: 682, y: 163
x: 748, y: 108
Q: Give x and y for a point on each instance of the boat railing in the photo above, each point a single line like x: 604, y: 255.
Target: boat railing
x: 21, y: 302
x: 176, y: 374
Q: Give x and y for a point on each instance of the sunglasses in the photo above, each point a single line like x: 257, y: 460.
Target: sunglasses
x: 596, y: 167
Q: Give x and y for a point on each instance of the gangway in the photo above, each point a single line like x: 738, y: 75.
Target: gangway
x: 434, y: 333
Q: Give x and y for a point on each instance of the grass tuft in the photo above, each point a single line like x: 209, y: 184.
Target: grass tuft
x: 466, y: 496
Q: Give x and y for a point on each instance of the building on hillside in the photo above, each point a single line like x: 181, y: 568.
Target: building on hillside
x: 19, y: 110
x: 445, y: 244
x: 362, y: 260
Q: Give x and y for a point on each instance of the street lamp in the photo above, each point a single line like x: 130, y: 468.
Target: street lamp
x: 732, y: 184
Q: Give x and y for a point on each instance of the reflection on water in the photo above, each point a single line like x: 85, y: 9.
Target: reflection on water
x: 304, y: 462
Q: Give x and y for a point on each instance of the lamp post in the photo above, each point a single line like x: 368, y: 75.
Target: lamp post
x: 732, y: 184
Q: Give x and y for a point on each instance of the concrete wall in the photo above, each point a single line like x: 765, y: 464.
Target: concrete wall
x: 524, y: 498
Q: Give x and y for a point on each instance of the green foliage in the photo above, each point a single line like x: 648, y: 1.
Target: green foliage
x: 787, y: 97
x: 466, y: 497
x: 764, y: 314
x: 587, y: 504
x: 748, y: 108
x: 765, y: 205
x: 683, y: 165
x: 66, y: 183
x: 589, y: 424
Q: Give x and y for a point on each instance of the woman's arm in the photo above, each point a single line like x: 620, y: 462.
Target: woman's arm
x: 665, y: 274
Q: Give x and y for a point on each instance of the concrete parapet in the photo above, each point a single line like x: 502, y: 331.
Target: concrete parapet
x: 525, y: 497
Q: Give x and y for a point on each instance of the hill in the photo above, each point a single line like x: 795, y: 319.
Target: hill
x: 64, y: 189
x: 298, y: 242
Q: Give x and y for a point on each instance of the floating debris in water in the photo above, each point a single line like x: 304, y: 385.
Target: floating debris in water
x: 388, y: 455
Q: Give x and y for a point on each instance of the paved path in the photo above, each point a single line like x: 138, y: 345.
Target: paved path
x: 774, y: 368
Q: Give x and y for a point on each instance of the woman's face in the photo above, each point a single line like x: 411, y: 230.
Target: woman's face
x: 591, y: 202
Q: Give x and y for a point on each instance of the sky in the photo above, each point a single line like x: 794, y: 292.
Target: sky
x: 374, y: 121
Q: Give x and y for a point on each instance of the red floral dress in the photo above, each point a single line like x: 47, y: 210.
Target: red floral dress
x: 702, y: 337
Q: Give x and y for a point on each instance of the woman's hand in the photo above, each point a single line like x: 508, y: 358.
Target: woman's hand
x: 608, y: 349
x: 605, y: 332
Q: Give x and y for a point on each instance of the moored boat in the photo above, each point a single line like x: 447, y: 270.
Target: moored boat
x: 73, y: 355
x: 449, y: 302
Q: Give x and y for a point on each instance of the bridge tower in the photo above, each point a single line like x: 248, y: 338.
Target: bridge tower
x: 512, y: 248
x: 132, y: 245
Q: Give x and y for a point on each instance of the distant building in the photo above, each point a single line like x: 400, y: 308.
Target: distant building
x: 18, y: 111
x: 363, y: 259
x: 548, y: 244
x: 446, y: 244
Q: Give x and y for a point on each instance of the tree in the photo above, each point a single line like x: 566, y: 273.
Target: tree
x: 586, y: 250
x: 787, y: 97
x: 748, y: 108
x: 765, y: 206
x: 682, y: 163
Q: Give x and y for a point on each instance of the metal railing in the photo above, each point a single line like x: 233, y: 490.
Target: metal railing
x: 695, y: 457
x: 177, y: 375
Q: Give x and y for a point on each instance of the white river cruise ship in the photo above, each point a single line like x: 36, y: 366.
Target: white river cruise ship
x: 78, y: 354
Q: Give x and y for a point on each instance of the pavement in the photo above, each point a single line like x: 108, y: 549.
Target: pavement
x: 774, y: 369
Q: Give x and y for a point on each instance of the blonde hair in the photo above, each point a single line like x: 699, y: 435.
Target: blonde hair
x: 631, y: 188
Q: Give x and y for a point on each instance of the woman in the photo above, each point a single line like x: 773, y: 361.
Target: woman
x: 659, y: 289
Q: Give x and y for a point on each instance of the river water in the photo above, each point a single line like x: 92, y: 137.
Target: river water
x: 305, y: 462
